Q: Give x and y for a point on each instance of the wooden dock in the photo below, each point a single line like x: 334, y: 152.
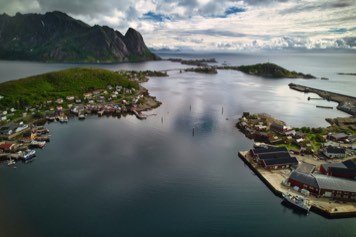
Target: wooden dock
x: 274, y: 178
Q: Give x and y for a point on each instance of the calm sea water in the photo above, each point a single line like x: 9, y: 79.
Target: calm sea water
x: 126, y: 177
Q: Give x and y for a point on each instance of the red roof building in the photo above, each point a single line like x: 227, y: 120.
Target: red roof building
x: 7, y: 146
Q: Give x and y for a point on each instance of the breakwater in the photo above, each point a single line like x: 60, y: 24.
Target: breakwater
x: 346, y: 103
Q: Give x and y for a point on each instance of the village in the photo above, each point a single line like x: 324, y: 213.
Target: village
x: 22, y: 133
x: 319, y: 165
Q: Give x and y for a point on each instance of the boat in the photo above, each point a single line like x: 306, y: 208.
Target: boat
x: 28, y: 154
x: 39, y: 144
x: 63, y: 119
x: 81, y: 116
x: 297, y: 201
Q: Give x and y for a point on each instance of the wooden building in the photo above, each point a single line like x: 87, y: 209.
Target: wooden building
x: 324, y: 186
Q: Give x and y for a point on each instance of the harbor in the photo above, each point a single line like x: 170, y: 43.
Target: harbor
x: 274, y: 180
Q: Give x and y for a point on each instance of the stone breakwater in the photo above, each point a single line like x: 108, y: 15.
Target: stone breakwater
x: 346, y: 103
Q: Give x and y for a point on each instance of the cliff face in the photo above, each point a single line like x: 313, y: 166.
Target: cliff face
x: 57, y: 37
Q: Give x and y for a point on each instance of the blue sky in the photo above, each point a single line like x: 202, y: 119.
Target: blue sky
x: 227, y: 25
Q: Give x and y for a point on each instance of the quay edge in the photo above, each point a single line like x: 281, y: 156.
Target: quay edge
x: 314, y: 208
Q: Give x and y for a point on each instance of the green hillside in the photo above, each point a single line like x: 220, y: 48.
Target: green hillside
x: 36, y: 90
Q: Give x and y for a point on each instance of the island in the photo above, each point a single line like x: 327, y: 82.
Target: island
x: 57, y: 37
x: 207, y: 70
x: 346, y: 74
x: 195, y: 62
x: 268, y: 70
x: 316, y: 163
x: 26, y: 104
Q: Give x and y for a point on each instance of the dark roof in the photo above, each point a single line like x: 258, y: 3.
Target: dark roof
x: 278, y: 126
x: 336, y: 170
x: 304, y: 178
x: 269, y: 150
x: 333, y: 165
x: 281, y: 161
x: 335, y: 150
x: 305, y: 168
x: 350, y: 164
x: 5, y: 129
x: 339, y: 136
x: 332, y: 183
x: 272, y: 156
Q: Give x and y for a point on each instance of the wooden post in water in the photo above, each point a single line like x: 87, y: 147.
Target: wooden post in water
x: 222, y: 110
x: 190, y: 107
x: 193, y: 132
x: 162, y: 119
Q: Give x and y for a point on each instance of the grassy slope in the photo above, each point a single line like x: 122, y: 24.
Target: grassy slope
x: 50, y: 86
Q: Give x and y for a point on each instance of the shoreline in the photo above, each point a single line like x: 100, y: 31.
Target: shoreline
x: 319, y: 206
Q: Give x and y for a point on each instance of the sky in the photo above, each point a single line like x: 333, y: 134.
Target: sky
x: 218, y: 25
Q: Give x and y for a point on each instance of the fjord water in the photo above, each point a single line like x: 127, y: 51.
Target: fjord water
x: 126, y: 177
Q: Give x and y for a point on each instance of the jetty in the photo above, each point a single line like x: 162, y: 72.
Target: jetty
x: 346, y: 103
x: 275, y: 179
x: 324, y: 107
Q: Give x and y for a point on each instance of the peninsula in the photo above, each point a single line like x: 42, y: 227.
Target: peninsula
x: 319, y: 163
x: 29, y: 102
x: 57, y: 37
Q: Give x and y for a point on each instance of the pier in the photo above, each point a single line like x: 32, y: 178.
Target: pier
x: 274, y: 179
x: 346, y: 103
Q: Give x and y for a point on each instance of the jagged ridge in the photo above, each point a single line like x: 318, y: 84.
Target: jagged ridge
x: 57, y: 37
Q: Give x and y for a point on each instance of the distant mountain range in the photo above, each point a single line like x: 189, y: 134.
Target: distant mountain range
x: 57, y: 37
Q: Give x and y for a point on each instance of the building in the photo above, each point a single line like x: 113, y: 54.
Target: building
x: 273, y: 158
x: 320, y: 185
x: 305, y: 168
x: 8, y: 129
x: 278, y: 128
x: 5, y: 147
x: 346, y: 169
x: 338, y: 137
x: 334, y: 152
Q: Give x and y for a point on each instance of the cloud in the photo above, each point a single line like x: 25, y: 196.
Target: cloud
x: 220, y: 25
x: 155, y: 16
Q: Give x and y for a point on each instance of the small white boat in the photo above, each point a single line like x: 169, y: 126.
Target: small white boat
x: 63, y: 119
x: 39, y: 144
x: 297, y: 201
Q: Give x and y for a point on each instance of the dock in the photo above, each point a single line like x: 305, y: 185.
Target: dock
x: 346, y: 103
x: 274, y: 178
x: 324, y: 107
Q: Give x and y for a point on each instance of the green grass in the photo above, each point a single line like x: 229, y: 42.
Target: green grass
x: 36, y: 90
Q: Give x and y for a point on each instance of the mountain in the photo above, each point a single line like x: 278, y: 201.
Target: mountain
x: 57, y: 37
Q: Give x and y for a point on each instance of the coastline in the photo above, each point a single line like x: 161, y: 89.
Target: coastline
x: 273, y: 181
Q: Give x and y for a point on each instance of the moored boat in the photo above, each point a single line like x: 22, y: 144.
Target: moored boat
x: 297, y: 201
x: 39, y: 144
x: 81, y: 116
x: 28, y: 154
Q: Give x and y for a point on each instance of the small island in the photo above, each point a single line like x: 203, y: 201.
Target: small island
x: 346, y: 74
x: 26, y: 104
x: 207, y: 70
x: 269, y: 70
x: 194, y: 62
